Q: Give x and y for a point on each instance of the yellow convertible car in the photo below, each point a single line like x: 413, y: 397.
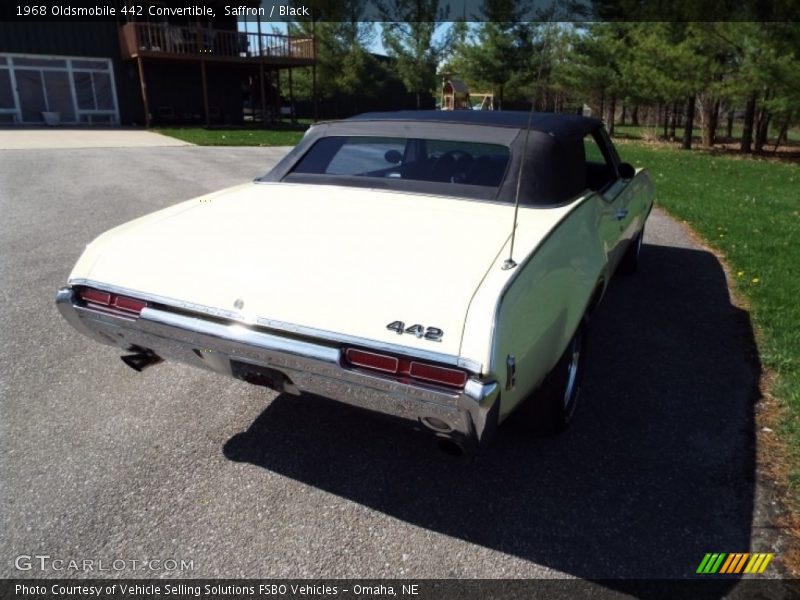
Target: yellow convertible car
x: 436, y: 266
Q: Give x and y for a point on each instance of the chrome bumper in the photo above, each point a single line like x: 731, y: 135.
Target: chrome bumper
x: 468, y: 417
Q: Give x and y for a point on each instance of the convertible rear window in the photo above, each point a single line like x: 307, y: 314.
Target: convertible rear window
x: 411, y: 159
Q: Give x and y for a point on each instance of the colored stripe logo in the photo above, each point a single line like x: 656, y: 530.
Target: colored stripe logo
x: 734, y: 563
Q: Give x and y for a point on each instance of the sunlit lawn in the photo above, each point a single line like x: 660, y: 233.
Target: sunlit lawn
x: 278, y: 136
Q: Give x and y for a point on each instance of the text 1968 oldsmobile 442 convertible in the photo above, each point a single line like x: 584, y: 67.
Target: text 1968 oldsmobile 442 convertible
x: 435, y: 266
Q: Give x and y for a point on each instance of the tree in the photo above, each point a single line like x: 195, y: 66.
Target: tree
x: 410, y: 37
x: 775, y: 73
x: 343, y: 63
x: 497, y: 55
x: 594, y: 71
x: 662, y: 62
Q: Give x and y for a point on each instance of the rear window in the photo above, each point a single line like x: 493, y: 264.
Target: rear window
x: 407, y: 159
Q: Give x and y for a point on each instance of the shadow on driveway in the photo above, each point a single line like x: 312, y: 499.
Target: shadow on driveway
x: 656, y: 470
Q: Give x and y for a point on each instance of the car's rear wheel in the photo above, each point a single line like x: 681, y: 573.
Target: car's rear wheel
x: 553, y: 404
x: 630, y: 260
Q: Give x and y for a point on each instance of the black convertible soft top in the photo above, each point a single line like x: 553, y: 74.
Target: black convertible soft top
x: 562, y: 126
x: 554, y: 156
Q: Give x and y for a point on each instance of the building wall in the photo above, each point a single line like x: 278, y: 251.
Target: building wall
x: 91, y: 39
x: 178, y: 87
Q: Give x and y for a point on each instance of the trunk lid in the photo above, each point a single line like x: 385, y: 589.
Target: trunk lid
x: 345, y: 260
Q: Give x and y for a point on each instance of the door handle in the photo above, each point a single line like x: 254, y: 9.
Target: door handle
x: 621, y: 214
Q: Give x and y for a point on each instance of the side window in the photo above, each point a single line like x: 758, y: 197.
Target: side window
x: 600, y: 173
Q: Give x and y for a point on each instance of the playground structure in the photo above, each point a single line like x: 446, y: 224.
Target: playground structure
x: 456, y: 96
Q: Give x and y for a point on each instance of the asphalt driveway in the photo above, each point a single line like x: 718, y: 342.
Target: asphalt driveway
x: 98, y: 461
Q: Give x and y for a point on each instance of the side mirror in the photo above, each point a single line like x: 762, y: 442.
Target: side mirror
x: 626, y: 171
x: 393, y: 156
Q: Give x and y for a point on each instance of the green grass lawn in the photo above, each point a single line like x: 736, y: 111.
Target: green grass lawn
x: 750, y: 210
x: 278, y: 136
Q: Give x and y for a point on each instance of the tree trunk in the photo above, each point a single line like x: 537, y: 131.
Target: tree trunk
x: 762, y: 131
x: 418, y: 102
x: 715, y: 122
x: 782, y: 135
x: 602, y: 104
x: 710, y: 112
x: 746, y: 145
x: 729, y: 128
x: 635, y: 115
x: 762, y: 124
x: 705, y: 112
x: 622, y: 116
x: 612, y: 108
x: 688, y: 124
x: 673, y: 124
x: 665, y: 116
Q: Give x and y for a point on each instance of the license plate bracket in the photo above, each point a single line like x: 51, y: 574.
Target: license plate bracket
x: 259, y: 375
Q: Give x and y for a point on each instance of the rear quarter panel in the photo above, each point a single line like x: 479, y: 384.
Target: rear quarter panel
x: 540, y: 302
x: 531, y: 311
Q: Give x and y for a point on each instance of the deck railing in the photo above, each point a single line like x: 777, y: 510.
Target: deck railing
x: 155, y: 39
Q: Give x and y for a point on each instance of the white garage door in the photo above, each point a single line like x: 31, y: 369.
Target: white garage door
x: 70, y: 89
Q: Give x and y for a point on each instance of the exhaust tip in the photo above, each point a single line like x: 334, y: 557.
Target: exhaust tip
x: 141, y: 360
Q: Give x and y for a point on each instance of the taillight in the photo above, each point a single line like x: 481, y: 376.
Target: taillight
x: 406, y: 368
x: 370, y: 360
x: 96, y: 296
x: 441, y: 375
x: 129, y: 304
x: 111, y: 303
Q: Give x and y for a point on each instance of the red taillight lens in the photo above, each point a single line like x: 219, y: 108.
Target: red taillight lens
x: 405, y: 368
x: 111, y: 303
x: 96, y: 296
x: 440, y: 375
x: 370, y: 360
x: 129, y: 304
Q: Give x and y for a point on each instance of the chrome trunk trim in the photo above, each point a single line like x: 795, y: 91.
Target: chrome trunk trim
x: 313, y: 366
x: 281, y: 326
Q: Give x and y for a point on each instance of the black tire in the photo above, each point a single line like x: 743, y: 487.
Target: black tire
x: 630, y: 260
x: 552, y: 406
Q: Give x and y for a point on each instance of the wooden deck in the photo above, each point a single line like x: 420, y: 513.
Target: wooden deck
x: 156, y: 40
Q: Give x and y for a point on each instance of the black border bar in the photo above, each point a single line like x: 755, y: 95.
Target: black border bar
x: 403, y: 10
x: 396, y: 589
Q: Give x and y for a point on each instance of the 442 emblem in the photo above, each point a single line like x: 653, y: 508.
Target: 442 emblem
x: 433, y: 334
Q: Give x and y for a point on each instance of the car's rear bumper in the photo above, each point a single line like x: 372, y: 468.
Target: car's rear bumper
x: 468, y: 416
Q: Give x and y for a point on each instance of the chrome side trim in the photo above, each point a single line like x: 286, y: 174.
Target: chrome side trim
x: 313, y: 366
x: 472, y: 366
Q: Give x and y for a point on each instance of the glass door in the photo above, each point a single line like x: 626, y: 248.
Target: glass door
x: 31, y: 94
x: 8, y: 103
